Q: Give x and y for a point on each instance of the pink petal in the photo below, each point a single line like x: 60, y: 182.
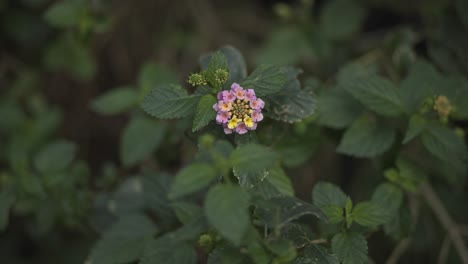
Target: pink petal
x: 227, y: 131
x: 241, y: 129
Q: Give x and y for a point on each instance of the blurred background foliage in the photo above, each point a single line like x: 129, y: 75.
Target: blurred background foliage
x: 76, y: 150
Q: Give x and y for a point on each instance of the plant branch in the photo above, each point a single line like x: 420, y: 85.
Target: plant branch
x: 444, y: 251
x: 447, y: 222
x: 398, y: 251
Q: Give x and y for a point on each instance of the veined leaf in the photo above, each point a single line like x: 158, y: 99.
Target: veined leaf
x: 115, y: 101
x: 191, y: 179
x: 235, y: 63
x: 265, y: 80
x: 169, y: 101
x: 55, y: 157
x: 370, y: 214
x: 350, y: 247
x: 226, y: 210
x: 252, y: 158
x: 388, y: 196
x: 376, y: 93
x: 325, y: 194
x: 366, y: 139
x: 124, y: 242
x: 140, y: 138
x: 205, y: 112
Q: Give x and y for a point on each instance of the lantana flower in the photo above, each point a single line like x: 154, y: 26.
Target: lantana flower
x: 238, y: 110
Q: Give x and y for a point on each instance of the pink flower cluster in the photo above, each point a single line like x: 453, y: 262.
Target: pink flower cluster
x: 238, y: 110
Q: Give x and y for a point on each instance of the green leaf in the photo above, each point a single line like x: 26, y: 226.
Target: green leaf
x: 153, y: 74
x: 226, y: 210
x: 315, y: 254
x: 205, y: 112
x: 283, y: 249
x: 376, y: 93
x: 155, y: 192
x: 115, y: 101
x: 125, y: 241
x: 409, y: 176
x: 370, y: 214
x: 421, y: 83
x: 235, y: 63
x: 388, y: 196
x: 70, y: 55
x: 300, y: 234
x: 444, y: 144
x: 266, y: 80
x: 416, y: 126
x: 350, y: 247
x: 285, y: 46
x: 65, y: 13
x: 291, y: 104
x: 140, y: 139
x: 166, y: 251
x: 55, y: 157
x: 252, y: 158
x: 278, y: 178
x: 348, y: 215
x: 170, y: 101
x: 334, y: 213
x: 280, y: 210
x: 191, y: 179
x: 340, y: 19
x: 186, y: 211
x: 325, y: 194
x: 336, y: 109
x: 366, y: 139
x: 7, y: 199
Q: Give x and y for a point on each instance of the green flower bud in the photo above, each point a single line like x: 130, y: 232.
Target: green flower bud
x: 205, y: 241
x: 196, y: 79
x: 221, y: 75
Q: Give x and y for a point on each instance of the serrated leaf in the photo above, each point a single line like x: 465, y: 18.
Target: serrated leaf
x: 376, y: 93
x: 444, y: 144
x: 325, y: 194
x: 169, y: 101
x: 165, y: 251
x: 366, y: 139
x: 334, y: 213
x: 266, y: 80
x: 226, y: 210
x: 7, y: 198
x: 421, y: 83
x: 115, y: 101
x: 235, y: 63
x: 55, y: 157
x: 340, y: 19
x: 336, y: 109
x: 280, y: 210
x: 388, y: 196
x: 315, y: 254
x: 300, y: 234
x: 205, y: 112
x: 140, y: 138
x: 252, y: 158
x: 278, y: 178
x: 65, y: 14
x: 191, y: 179
x: 370, y: 214
x: 291, y: 104
x: 124, y: 242
x: 350, y: 247
x: 416, y: 126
